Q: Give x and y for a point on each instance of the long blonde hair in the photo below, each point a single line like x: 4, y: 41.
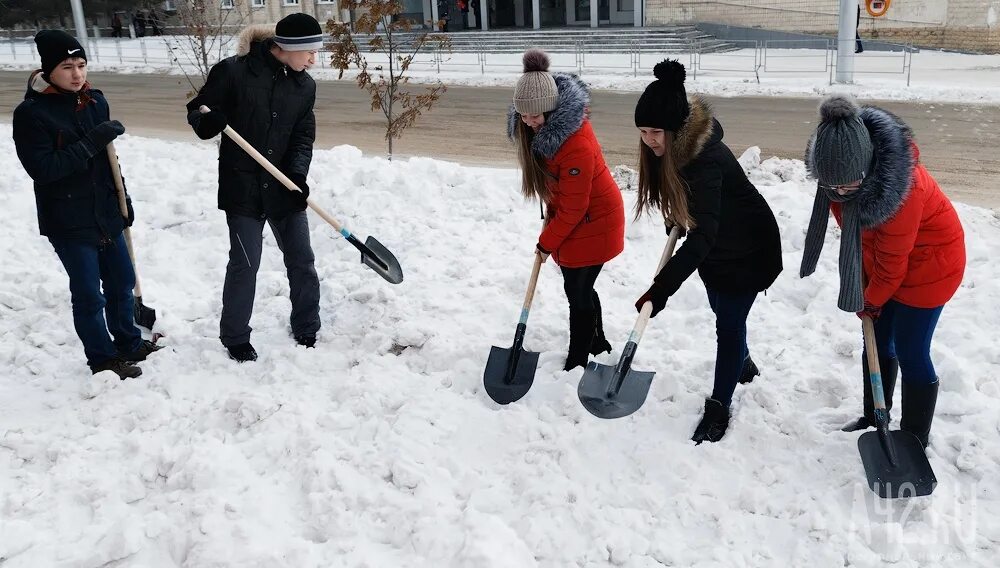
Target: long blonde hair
x: 535, y: 177
x: 661, y: 186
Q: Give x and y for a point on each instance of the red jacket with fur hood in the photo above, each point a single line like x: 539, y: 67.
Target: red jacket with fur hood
x: 913, y: 244
x: 585, y: 211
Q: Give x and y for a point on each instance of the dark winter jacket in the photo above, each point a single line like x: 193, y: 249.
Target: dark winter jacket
x: 912, y: 241
x: 735, y: 245
x: 270, y: 106
x: 74, y: 189
x: 585, y: 209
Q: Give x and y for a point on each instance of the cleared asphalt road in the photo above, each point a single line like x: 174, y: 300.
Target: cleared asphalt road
x: 960, y: 144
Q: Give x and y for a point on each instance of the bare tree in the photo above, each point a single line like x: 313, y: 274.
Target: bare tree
x: 207, y: 31
x: 392, y: 38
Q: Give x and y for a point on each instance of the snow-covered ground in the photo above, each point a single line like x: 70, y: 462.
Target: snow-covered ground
x: 933, y: 75
x: 380, y: 447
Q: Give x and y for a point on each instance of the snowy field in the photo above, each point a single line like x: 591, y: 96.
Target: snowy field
x: 933, y: 75
x: 380, y: 447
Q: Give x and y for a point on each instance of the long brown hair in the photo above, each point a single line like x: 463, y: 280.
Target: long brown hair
x: 661, y: 186
x: 535, y: 177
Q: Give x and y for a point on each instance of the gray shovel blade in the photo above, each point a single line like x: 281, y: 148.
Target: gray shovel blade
x: 597, y: 380
x: 910, y: 476
x: 507, y: 378
x: 379, y: 259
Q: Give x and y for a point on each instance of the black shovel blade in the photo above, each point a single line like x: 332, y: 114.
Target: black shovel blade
x: 143, y: 315
x: 509, y: 373
x: 597, y: 381
x: 379, y: 259
x: 910, y: 476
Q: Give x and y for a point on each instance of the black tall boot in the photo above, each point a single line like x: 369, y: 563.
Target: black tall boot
x: 918, y: 409
x: 749, y: 371
x: 713, y: 423
x: 600, y: 343
x: 890, y: 368
x: 581, y: 335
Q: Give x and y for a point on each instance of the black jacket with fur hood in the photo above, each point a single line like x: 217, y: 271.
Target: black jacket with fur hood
x: 270, y: 106
x: 735, y: 245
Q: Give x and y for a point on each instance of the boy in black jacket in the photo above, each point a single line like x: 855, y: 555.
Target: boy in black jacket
x: 61, y: 131
x: 266, y: 96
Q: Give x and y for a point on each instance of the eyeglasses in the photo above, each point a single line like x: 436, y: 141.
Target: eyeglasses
x: 841, y: 189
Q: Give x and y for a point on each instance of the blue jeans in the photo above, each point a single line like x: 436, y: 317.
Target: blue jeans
x: 731, y: 311
x: 905, y: 332
x: 89, y: 266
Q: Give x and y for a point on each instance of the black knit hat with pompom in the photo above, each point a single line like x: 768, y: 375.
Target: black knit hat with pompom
x: 664, y: 103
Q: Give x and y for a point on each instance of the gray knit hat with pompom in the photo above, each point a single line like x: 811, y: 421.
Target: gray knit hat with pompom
x: 536, y: 91
x: 842, y: 152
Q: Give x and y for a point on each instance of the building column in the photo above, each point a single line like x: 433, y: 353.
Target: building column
x: 536, y: 15
x: 639, y: 6
x: 485, y: 16
x: 519, y: 13
x: 593, y: 13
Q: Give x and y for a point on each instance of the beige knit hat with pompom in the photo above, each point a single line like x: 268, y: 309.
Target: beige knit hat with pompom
x: 536, y: 91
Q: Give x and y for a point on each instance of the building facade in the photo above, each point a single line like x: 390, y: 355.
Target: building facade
x: 972, y: 25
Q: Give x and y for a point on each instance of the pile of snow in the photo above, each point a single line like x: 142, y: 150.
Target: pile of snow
x: 380, y: 447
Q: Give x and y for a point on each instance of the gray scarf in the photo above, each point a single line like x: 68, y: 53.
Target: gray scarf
x: 851, y: 298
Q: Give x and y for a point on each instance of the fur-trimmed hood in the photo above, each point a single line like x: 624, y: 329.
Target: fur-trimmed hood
x: 567, y: 118
x: 883, y: 192
x: 253, y: 34
x: 699, y: 129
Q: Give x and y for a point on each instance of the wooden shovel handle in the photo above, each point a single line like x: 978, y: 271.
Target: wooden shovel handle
x: 647, y: 308
x: 116, y: 174
x: 529, y: 296
x: 274, y: 171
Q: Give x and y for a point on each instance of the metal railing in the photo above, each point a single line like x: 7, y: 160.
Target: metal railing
x: 770, y: 57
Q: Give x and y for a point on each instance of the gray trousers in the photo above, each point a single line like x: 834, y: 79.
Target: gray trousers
x: 246, y: 236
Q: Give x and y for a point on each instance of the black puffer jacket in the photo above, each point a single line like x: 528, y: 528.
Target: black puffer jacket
x: 270, y: 106
x: 735, y: 245
x: 74, y: 189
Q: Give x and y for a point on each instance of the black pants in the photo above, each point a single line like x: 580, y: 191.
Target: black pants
x: 246, y: 235
x: 579, y: 286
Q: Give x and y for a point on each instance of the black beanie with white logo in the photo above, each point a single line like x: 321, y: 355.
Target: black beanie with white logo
x: 56, y: 46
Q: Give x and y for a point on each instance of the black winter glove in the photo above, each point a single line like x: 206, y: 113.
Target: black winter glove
x: 670, y: 227
x: 131, y: 212
x: 104, y: 134
x: 211, y: 124
x: 300, y: 181
x: 656, y: 294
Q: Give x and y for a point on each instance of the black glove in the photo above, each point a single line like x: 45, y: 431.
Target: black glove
x: 104, y: 134
x: 211, y: 124
x: 300, y: 181
x: 670, y: 227
x: 656, y: 294
x: 131, y: 212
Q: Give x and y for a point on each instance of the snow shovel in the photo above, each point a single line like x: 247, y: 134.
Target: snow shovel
x: 143, y: 315
x: 613, y: 392
x: 373, y: 253
x: 895, y: 462
x: 510, y: 372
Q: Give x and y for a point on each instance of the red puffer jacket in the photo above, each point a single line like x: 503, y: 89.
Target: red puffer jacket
x: 917, y: 257
x: 586, y: 213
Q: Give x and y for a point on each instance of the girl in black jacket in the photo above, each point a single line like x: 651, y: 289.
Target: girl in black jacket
x: 61, y: 133
x: 693, y: 180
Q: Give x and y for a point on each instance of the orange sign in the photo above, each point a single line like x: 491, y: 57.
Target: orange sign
x: 877, y: 8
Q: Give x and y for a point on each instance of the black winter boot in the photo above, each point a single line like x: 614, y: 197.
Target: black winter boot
x: 308, y: 341
x: 749, y: 371
x: 890, y: 368
x: 581, y: 335
x: 242, y: 353
x: 144, y: 350
x: 600, y: 343
x: 713, y: 423
x: 918, y: 409
x: 121, y: 367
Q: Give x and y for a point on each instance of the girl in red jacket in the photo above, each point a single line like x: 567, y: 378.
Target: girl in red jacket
x: 901, y: 231
x: 562, y: 165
